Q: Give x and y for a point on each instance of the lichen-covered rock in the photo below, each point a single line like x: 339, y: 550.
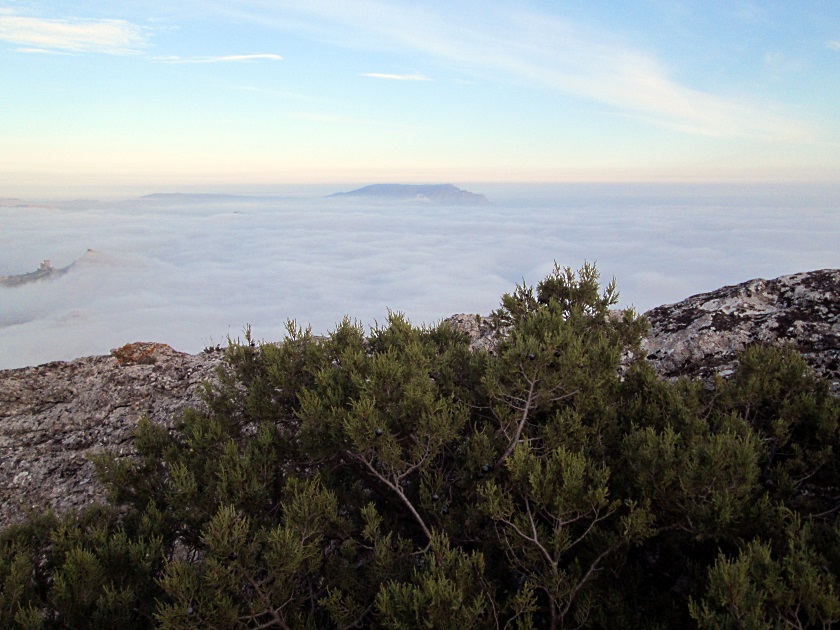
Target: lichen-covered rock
x: 137, y: 353
x: 703, y: 334
x: 53, y: 415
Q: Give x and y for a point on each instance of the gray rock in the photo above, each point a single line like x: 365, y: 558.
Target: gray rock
x: 703, y: 334
x: 478, y: 329
x: 53, y: 416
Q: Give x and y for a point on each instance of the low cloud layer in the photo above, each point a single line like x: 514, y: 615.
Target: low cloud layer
x: 190, y: 273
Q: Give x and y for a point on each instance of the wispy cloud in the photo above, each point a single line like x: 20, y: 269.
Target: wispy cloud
x: 834, y: 45
x: 221, y: 58
x: 539, y: 49
x: 42, y: 51
x: 40, y: 35
x: 396, y: 77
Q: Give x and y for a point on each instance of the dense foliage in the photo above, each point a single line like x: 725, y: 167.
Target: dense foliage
x: 397, y: 479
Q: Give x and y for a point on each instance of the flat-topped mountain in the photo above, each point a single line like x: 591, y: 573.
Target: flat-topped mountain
x: 438, y: 194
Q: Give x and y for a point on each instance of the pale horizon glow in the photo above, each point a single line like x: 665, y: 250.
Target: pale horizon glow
x: 249, y: 91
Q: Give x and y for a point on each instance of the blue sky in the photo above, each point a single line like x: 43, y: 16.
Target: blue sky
x: 262, y: 92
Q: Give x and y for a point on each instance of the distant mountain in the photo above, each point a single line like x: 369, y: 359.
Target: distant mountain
x: 437, y: 194
x: 8, y: 202
x: 196, y: 197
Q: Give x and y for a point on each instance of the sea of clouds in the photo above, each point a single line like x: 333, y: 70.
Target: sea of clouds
x: 191, y: 271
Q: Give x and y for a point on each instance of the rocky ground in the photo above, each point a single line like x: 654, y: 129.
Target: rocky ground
x: 53, y: 416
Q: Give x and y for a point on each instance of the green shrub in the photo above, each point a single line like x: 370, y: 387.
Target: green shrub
x: 397, y: 479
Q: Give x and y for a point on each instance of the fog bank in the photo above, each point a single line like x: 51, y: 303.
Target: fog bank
x: 191, y: 272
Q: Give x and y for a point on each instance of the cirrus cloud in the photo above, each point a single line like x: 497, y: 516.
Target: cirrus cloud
x: 222, y: 58
x: 396, y: 77
x: 534, y: 48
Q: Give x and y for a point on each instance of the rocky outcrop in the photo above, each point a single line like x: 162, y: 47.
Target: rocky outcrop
x: 703, y: 334
x: 47, y: 272
x: 44, y: 272
x: 53, y: 416
x: 478, y: 328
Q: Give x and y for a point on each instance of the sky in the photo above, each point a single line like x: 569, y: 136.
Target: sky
x: 264, y: 91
